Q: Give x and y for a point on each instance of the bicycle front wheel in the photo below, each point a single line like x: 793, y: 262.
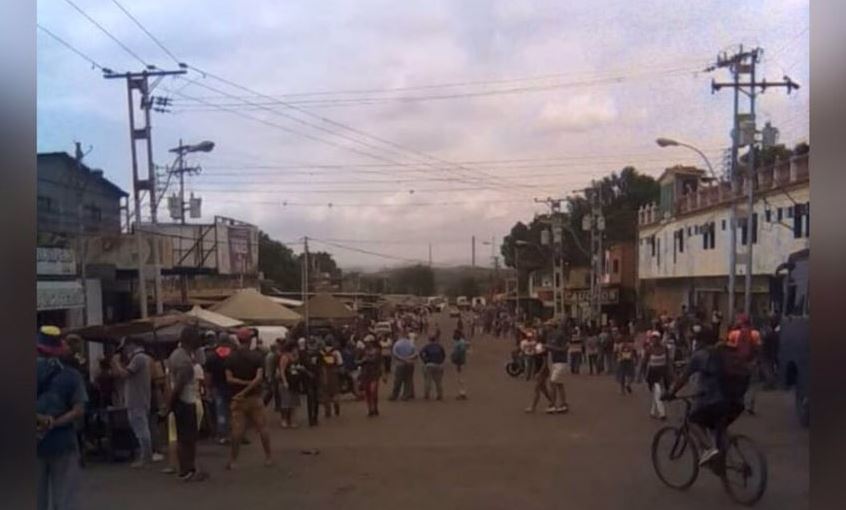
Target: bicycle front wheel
x: 675, y: 457
x: 745, y: 471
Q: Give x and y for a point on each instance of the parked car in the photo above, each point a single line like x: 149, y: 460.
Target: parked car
x: 795, y: 332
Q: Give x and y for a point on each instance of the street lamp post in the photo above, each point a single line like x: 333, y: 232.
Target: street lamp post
x: 668, y: 142
x: 181, y: 151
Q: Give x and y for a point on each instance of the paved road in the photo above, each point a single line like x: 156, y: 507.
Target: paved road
x: 483, y: 453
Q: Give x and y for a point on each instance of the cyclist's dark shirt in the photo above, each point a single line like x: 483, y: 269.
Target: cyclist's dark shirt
x: 702, y: 364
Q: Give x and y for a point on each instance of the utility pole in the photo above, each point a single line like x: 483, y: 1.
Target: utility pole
x: 430, y: 254
x: 81, y: 184
x: 557, y: 243
x: 595, y: 223
x: 140, y: 81
x: 744, y: 63
x: 473, y: 251
x: 305, y: 281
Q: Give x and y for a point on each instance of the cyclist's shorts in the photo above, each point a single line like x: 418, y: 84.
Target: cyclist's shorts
x: 709, y: 416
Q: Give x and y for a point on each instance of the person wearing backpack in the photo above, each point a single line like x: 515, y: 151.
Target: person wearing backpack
x: 60, y: 402
x: 747, y: 342
x: 459, y: 359
x: 723, y: 378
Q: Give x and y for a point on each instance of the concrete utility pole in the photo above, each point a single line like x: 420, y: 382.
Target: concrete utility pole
x: 140, y: 81
x: 744, y: 63
x: 82, y: 248
x: 430, y: 254
x: 473, y: 251
x: 557, y: 243
x: 305, y: 281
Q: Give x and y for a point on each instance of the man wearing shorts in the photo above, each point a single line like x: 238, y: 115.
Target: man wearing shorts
x: 557, y: 347
x: 244, y: 374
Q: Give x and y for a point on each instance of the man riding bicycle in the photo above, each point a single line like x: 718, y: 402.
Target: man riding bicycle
x: 723, y: 378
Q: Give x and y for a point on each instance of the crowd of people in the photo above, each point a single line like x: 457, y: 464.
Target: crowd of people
x: 220, y: 383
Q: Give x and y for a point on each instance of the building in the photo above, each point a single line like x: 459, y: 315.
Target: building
x: 683, y: 242
x: 74, y: 202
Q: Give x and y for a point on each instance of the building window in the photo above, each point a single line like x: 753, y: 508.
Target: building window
x: 790, y: 211
x: 779, y: 214
x: 658, y: 250
x: 45, y: 204
x: 689, y: 232
x: 797, y: 221
x: 94, y: 213
x: 768, y: 216
x: 807, y: 219
x: 652, y: 244
x: 743, y: 230
x: 724, y: 225
x: 681, y: 241
x: 713, y: 235
x: 616, y: 266
x: 754, y: 228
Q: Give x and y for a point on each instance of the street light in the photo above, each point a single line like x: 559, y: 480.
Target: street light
x: 669, y: 142
x: 181, y: 151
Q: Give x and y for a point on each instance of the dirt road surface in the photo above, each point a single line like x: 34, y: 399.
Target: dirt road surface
x: 482, y: 453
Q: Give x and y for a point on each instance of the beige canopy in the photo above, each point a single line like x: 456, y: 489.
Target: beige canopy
x: 255, y: 309
x: 219, y: 320
x: 328, y: 307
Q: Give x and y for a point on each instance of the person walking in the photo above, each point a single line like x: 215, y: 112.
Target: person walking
x: 244, y: 373
x: 386, y: 344
x: 459, y: 359
x: 626, y: 358
x: 558, y: 353
x: 575, y: 350
x: 290, y: 383
x: 405, y: 355
x: 215, y: 366
x: 330, y: 377
x: 134, y: 366
x: 370, y: 363
x: 606, y: 350
x: 656, y: 365
x: 309, y: 356
x: 184, y: 396
x: 747, y: 341
x: 592, y: 351
x: 59, y: 403
x: 541, y: 381
x: 433, y: 356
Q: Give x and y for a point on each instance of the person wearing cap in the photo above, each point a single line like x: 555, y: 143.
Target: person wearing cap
x: 60, y: 402
x: 183, y: 401
x: 244, y: 374
x: 135, y: 367
x: 743, y: 337
x: 370, y: 363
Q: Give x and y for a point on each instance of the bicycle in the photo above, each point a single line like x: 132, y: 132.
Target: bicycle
x: 741, y: 461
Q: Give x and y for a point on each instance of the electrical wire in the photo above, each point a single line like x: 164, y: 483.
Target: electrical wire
x: 109, y: 34
x: 72, y: 48
x: 150, y: 35
x: 369, y: 252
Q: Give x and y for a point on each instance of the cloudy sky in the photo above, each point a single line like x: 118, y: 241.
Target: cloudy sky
x: 419, y: 122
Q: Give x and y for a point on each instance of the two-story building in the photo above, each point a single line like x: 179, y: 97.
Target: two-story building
x: 74, y: 202
x: 684, y: 241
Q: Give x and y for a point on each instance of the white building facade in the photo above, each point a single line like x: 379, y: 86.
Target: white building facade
x: 684, y: 242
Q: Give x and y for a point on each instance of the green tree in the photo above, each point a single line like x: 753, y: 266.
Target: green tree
x: 418, y: 280
x: 465, y: 286
x: 279, y: 264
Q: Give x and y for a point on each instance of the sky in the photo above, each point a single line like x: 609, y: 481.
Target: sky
x: 419, y: 122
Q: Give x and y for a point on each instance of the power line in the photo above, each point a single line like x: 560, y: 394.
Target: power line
x: 72, y: 48
x: 112, y: 37
x: 150, y: 35
x: 368, y: 252
x: 343, y: 126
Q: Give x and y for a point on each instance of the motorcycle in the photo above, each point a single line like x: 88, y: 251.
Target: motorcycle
x: 515, y: 367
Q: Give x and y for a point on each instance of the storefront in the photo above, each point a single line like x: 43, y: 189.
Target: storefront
x: 60, y: 303
x: 577, y: 304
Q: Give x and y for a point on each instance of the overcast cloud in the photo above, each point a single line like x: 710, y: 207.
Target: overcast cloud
x: 633, y: 72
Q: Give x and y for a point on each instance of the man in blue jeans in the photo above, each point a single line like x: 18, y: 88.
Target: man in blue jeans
x: 215, y: 365
x: 60, y: 401
x: 405, y: 354
x: 433, y: 355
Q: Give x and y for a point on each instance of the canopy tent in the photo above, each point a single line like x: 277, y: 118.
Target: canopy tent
x: 327, y: 307
x: 255, y: 309
x: 290, y: 303
x: 159, y: 329
x: 219, y: 320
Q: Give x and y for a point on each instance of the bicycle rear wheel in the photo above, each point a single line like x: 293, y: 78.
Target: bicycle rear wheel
x: 745, y: 471
x: 675, y: 457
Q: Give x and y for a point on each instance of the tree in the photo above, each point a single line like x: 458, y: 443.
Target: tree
x: 279, y: 264
x: 418, y: 280
x: 466, y: 286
